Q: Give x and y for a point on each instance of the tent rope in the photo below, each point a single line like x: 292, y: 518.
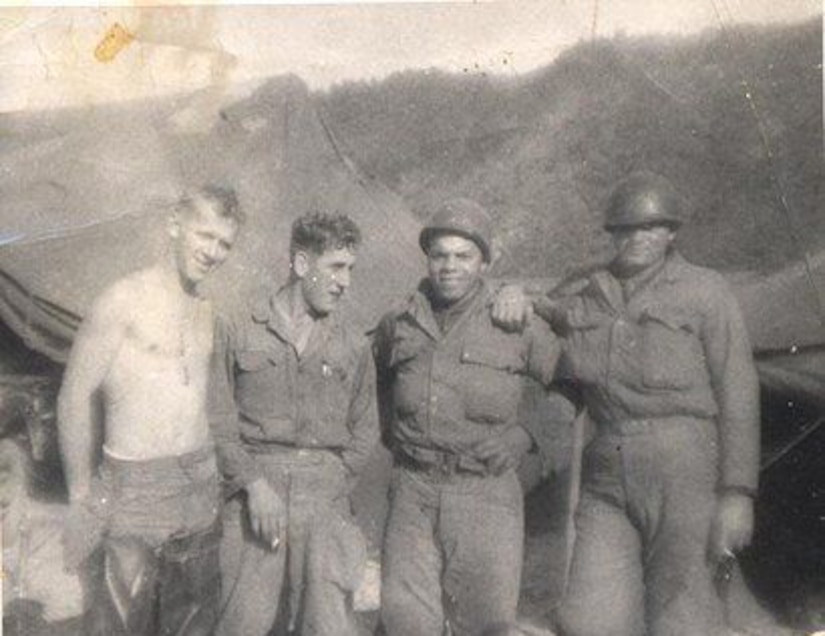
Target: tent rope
x: 806, y: 432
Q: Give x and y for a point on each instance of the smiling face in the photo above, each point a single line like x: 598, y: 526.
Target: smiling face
x: 455, y: 264
x: 324, y: 278
x: 641, y: 247
x: 201, y: 240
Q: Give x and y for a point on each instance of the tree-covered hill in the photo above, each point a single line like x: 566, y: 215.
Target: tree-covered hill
x: 734, y: 117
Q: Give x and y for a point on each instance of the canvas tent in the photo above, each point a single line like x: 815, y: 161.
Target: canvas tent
x: 85, y: 196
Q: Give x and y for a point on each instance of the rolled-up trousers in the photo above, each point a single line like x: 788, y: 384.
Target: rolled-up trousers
x: 157, y: 572
x: 452, y: 553
x: 640, y: 563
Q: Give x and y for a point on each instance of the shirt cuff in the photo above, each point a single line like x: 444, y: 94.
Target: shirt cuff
x: 737, y: 490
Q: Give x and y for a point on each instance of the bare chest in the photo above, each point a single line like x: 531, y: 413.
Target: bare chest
x: 175, y: 345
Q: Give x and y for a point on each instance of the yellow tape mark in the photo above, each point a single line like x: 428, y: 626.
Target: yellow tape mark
x: 115, y: 40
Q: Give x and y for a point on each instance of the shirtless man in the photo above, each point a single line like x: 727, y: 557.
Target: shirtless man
x: 139, y: 366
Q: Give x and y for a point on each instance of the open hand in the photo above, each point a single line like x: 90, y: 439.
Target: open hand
x: 732, y: 526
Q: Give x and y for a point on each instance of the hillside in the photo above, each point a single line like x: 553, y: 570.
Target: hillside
x: 733, y: 117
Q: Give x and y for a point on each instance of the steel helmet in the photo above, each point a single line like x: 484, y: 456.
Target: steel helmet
x: 461, y: 217
x: 642, y: 199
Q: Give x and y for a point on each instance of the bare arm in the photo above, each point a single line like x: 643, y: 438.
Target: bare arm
x: 96, y: 343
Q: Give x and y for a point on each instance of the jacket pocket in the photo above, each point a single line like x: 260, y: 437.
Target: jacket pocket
x: 493, y: 355
x: 249, y: 360
x: 404, y: 349
x: 585, y: 345
x: 489, y: 378
x: 670, y: 358
x: 256, y: 383
x: 336, y: 375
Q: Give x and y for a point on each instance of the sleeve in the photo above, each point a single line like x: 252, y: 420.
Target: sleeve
x: 543, y: 350
x: 363, y: 415
x: 382, y: 350
x: 736, y: 389
x: 544, y: 421
x: 552, y: 305
x: 238, y: 467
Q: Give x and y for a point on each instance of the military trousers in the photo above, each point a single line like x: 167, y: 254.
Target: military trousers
x: 306, y: 585
x: 452, y: 553
x: 640, y: 562
x: 155, y: 569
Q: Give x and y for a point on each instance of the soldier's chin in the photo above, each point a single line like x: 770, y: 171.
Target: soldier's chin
x: 634, y: 262
x: 326, y: 308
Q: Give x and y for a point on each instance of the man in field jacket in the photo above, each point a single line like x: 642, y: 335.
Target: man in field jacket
x: 658, y: 350
x: 450, y: 383
x: 295, y: 419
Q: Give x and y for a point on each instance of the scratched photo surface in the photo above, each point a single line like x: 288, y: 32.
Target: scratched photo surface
x: 536, y: 110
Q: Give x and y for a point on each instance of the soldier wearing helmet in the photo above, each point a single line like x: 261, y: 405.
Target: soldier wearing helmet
x: 449, y: 389
x: 658, y: 351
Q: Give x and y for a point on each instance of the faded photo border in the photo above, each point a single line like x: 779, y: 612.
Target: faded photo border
x: 382, y: 111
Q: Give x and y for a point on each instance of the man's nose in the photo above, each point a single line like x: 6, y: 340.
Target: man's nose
x: 450, y: 263
x: 343, y: 278
x: 213, y: 250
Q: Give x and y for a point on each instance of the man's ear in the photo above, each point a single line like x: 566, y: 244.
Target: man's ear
x: 300, y: 264
x: 495, y: 253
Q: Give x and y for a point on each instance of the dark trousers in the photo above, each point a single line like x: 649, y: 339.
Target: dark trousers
x: 171, y: 589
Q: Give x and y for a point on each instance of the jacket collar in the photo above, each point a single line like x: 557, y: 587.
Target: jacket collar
x: 264, y: 311
x: 610, y: 288
x: 419, y: 309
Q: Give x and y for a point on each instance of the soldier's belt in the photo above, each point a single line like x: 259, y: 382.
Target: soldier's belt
x: 280, y: 448
x: 439, y: 463
x: 648, y: 425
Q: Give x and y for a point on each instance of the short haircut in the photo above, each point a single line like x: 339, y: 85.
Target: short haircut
x: 223, y: 198
x: 318, y: 232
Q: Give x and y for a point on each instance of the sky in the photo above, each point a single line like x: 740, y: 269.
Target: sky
x: 47, y: 54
